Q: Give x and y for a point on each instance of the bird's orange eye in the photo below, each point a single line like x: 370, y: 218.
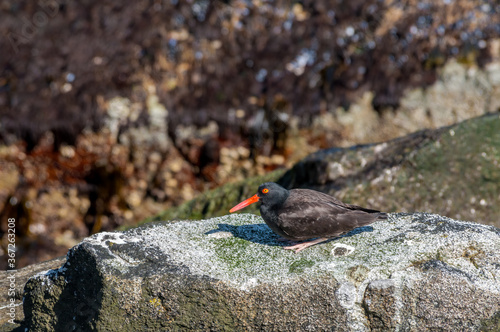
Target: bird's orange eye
x: 265, y: 191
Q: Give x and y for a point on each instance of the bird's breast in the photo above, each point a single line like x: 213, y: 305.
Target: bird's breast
x: 272, y: 218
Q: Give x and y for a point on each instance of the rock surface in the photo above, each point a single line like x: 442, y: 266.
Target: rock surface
x: 21, y: 276
x: 100, y: 127
x: 413, y: 272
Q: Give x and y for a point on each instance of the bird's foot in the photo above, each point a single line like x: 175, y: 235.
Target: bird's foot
x: 301, y: 246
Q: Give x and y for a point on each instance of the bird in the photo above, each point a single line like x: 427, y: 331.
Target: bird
x: 307, y: 217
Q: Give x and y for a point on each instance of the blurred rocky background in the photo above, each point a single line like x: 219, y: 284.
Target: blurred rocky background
x: 111, y: 112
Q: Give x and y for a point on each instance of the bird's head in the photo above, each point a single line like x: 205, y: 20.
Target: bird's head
x: 269, y: 193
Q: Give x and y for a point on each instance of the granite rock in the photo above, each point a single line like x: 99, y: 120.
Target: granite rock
x: 413, y: 272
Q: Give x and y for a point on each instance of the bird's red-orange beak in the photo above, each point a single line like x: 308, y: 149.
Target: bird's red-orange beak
x: 245, y: 203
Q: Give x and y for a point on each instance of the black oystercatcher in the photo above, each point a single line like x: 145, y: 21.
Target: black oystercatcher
x: 303, y: 214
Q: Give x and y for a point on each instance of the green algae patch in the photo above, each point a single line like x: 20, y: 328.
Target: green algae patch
x: 300, y: 265
x: 491, y: 324
x: 235, y: 257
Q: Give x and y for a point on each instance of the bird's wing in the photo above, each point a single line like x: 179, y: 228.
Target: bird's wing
x: 307, y: 214
x: 317, y: 196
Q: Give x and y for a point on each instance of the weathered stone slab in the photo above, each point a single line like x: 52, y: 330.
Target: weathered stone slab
x: 414, y: 272
x: 14, y: 281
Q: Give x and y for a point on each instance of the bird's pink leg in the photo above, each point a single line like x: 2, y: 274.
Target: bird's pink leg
x: 301, y: 246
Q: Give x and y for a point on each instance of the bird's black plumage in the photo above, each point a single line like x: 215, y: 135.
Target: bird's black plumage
x: 303, y: 214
